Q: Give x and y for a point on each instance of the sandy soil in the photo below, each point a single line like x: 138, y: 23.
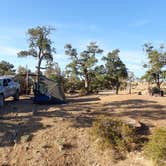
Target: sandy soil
x: 58, y: 135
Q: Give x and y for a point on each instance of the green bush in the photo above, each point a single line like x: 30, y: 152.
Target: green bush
x: 115, y: 134
x: 155, y: 149
x: 155, y: 90
x: 82, y: 92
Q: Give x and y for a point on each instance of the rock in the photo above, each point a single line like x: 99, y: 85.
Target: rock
x: 140, y: 127
x: 61, y: 147
x: 46, y: 146
x: 26, y: 138
x: 132, y: 122
x: 62, y: 119
x: 61, y: 144
x: 26, y: 147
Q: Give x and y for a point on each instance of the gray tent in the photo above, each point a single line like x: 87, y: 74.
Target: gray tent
x: 49, y: 92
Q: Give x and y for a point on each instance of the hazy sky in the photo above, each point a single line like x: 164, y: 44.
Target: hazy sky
x: 123, y: 24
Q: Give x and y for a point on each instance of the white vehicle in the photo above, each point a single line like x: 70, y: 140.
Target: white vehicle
x: 8, y: 88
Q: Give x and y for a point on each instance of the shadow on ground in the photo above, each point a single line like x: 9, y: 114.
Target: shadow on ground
x: 25, y: 118
x: 135, y: 109
x: 18, y: 119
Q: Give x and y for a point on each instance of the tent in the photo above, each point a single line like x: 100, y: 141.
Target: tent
x: 49, y: 92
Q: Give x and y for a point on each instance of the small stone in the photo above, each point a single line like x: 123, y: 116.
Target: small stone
x: 27, y: 148
x: 26, y: 138
x: 61, y: 147
x: 132, y: 122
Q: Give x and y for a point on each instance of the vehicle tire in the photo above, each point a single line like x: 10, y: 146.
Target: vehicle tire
x: 16, y: 96
x: 2, y: 101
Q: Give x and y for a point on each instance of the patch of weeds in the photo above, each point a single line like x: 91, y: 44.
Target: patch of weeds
x: 114, y: 134
x: 82, y: 92
x: 61, y: 143
x: 155, y: 149
x: 46, y: 146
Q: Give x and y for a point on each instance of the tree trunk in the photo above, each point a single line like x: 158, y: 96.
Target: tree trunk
x: 158, y: 81
x: 117, y: 90
x: 149, y: 89
x: 117, y: 87
x: 130, y: 88
x: 86, y: 85
x: 38, y: 73
x: 158, y: 85
x: 86, y: 81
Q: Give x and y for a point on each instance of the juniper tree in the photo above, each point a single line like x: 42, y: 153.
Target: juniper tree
x: 83, y: 63
x: 156, y: 64
x: 40, y: 46
x: 6, y: 68
x: 116, y: 70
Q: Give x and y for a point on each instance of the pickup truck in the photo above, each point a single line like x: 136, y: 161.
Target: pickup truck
x: 8, y: 88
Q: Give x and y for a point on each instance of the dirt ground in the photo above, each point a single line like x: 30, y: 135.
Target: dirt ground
x: 58, y: 135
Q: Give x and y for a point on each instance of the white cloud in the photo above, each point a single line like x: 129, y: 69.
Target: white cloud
x: 6, y: 50
x: 134, y: 60
x: 132, y: 56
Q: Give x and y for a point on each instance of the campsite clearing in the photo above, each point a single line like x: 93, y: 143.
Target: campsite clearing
x: 59, y: 134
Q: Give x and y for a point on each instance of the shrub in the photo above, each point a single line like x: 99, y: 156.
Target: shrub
x: 82, y: 92
x: 139, y: 93
x: 115, y: 134
x: 155, y: 149
x: 155, y: 90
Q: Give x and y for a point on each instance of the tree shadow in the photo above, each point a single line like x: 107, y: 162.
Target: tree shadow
x: 140, y: 110
x: 83, y: 99
x: 80, y: 111
x: 17, y: 119
x: 14, y: 106
x: 55, y: 113
x: 83, y: 121
x: 131, y: 102
x: 11, y: 133
x: 136, y: 108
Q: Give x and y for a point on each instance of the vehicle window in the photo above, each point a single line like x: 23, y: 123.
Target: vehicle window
x: 5, y: 83
x: 1, y: 82
x: 9, y: 80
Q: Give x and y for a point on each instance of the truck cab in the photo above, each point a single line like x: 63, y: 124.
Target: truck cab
x: 8, y: 88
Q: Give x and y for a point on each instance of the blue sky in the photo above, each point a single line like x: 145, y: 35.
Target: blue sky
x: 123, y: 24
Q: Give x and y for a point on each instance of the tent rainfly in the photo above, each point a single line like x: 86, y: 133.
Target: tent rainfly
x: 49, y: 92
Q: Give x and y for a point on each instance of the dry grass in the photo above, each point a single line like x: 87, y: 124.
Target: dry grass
x: 72, y: 122
x: 114, y: 134
x: 155, y: 149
